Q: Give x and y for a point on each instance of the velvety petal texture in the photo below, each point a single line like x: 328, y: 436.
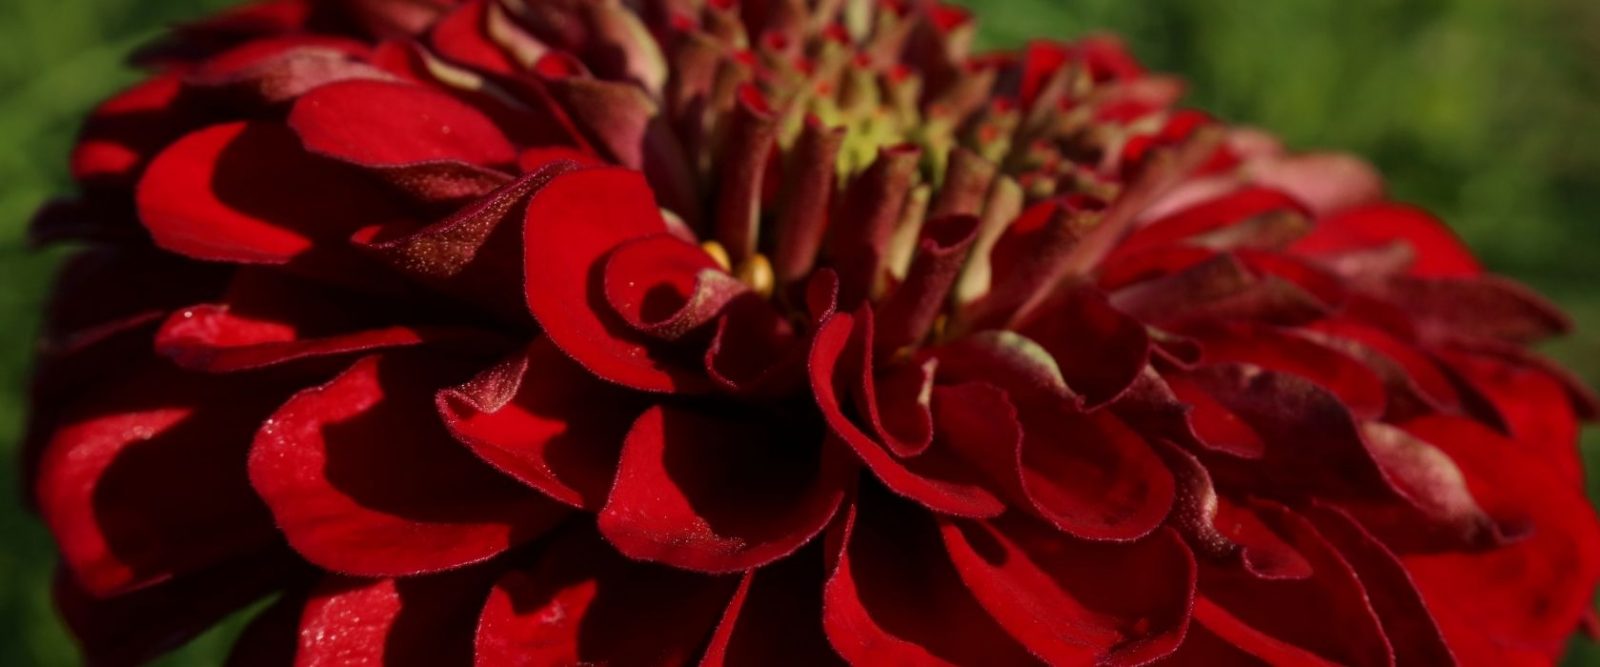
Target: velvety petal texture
x: 772, y: 332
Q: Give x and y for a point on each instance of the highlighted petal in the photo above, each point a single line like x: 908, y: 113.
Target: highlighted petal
x: 720, y: 493
x: 364, y: 479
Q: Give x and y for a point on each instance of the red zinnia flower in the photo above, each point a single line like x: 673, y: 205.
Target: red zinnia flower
x: 770, y: 332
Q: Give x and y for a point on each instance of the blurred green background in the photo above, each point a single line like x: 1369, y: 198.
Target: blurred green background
x: 1485, y: 111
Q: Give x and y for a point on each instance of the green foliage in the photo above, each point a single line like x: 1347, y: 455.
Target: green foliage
x: 1481, y: 110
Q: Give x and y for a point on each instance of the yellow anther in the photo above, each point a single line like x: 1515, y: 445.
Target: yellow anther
x: 756, y: 271
x: 719, y: 254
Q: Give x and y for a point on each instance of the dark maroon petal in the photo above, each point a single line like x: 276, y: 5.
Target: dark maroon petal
x: 138, y: 627
x: 897, y: 403
x: 867, y: 213
x: 908, y: 313
x: 804, y: 218
x: 752, y: 129
x: 1435, y: 250
x: 893, y: 598
x: 937, y: 481
x: 1525, y: 596
x: 1100, y: 350
x: 364, y: 479
x: 1406, y: 490
x: 774, y: 617
x: 246, y: 192
x: 720, y: 492
x: 582, y: 603
x: 1414, y: 369
x: 1073, y: 602
x: 272, y: 636
x: 268, y: 318
x: 666, y: 287
x: 1482, y: 307
x: 542, y: 419
x: 1249, y: 217
x: 423, y: 621
x: 1219, y: 288
x: 124, y: 132
x: 1285, y: 351
x: 1219, y: 638
x: 1406, y: 619
x: 755, y: 351
x: 1328, y: 613
x: 572, y: 225
x: 1091, y: 475
x: 116, y: 482
x: 472, y: 255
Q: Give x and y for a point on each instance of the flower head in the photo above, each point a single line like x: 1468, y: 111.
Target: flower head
x: 773, y: 331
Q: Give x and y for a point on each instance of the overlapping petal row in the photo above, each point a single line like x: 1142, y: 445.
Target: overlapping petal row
x: 762, y: 332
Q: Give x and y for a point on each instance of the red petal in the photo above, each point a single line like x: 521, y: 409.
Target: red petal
x: 581, y: 603
x: 1073, y: 602
x: 364, y: 479
x: 1285, y: 352
x: 1484, y: 307
x: 461, y: 37
x: 1099, y: 350
x: 719, y: 493
x: 1532, y: 404
x: 388, y: 124
x: 541, y: 418
x: 572, y: 225
x: 667, y: 287
x: 1091, y: 475
x: 774, y: 617
x: 246, y: 192
x: 124, y: 132
x: 267, y: 318
x: 1221, y: 223
x: 1437, y: 251
x: 939, y: 482
x: 138, y: 627
x: 422, y: 621
x: 1218, y: 638
x: 1528, y: 595
x: 473, y: 255
x: 117, y: 485
x: 1328, y: 613
x: 895, y: 599
x: 261, y: 74
x: 1406, y: 620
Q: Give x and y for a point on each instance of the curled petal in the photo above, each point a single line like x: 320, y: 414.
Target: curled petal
x: 666, y: 287
x: 364, y: 479
x: 719, y: 493
x: 1099, y: 349
x: 937, y: 481
x: 1075, y: 602
x: 571, y: 226
x: 581, y: 603
x: 542, y: 419
x: 1436, y: 251
x: 892, y: 598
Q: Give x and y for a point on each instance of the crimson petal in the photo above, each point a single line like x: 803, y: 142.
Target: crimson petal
x: 246, y: 192
x: 581, y: 603
x: 423, y: 141
x: 720, y: 492
x: 364, y: 479
x: 421, y: 621
x: 1074, y: 602
x: 116, y: 483
x: 1328, y: 613
x: 1099, y: 349
x: 939, y: 482
x: 544, y: 420
x: 1436, y: 250
x: 572, y: 224
x: 773, y: 619
x: 892, y: 598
